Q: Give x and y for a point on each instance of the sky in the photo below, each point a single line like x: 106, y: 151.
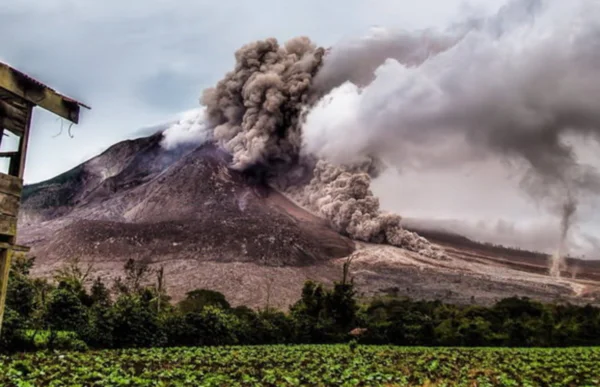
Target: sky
x: 140, y: 63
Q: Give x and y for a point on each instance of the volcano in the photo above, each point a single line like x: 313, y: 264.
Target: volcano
x: 213, y: 227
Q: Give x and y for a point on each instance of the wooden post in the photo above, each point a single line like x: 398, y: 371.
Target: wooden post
x: 5, y: 255
x: 11, y: 186
x: 10, y: 194
x: 17, y: 164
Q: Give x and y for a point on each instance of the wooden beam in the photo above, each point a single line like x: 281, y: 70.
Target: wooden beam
x: 36, y: 93
x: 15, y: 248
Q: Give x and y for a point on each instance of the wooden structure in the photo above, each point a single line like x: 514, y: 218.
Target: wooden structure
x: 19, y: 94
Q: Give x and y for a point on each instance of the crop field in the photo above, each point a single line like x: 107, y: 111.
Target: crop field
x: 327, y: 365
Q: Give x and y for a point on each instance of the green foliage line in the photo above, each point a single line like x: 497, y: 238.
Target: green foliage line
x: 75, y: 312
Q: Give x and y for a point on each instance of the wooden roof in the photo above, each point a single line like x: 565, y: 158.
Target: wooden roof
x: 18, y: 91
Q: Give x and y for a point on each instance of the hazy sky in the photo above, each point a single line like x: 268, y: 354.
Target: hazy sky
x: 139, y: 63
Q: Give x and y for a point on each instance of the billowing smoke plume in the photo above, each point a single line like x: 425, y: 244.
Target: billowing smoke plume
x: 512, y: 87
x: 343, y: 195
x: 256, y: 112
x: 255, y: 109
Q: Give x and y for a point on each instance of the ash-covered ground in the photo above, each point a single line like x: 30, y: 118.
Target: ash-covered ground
x: 213, y: 227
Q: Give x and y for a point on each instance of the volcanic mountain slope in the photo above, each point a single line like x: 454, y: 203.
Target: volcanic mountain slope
x: 212, y: 227
x: 139, y: 201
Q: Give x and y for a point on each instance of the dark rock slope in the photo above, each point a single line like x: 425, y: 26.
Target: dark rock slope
x: 137, y: 200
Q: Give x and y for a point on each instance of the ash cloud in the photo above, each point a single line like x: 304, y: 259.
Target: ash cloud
x: 509, y: 87
x: 539, y: 235
x: 343, y: 195
x: 255, y: 110
x: 512, y: 87
x: 256, y: 113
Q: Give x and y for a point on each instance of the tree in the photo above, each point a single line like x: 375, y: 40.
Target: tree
x: 196, y: 300
x: 274, y: 327
x: 475, y: 332
x: 342, y: 306
x: 21, y: 290
x: 135, y: 323
x: 136, y: 275
x: 99, y: 293
x: 210, y: 326
x: 65, y: 312
x: 37, y: 321
x: 99, y: 333
x: 308, y: 314
x: 73, y: 274
x: 10, y: 337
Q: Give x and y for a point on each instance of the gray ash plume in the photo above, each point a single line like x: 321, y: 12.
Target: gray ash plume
x: 256, y: 113
x: 342, y: 194
x: 255, y: 110
x: 513, y: 87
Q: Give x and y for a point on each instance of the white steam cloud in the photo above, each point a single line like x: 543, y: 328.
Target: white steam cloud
x: 190, y: 129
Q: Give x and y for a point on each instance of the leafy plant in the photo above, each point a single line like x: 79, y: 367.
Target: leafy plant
x: 305, y: 365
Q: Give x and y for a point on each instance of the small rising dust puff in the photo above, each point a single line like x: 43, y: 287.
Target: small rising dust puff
x: 558, y: 258
x: 190, y: 129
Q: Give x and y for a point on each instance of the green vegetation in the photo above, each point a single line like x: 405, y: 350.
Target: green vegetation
x: 306, y: 365
x: 54, y: 330
x: 74, y: 312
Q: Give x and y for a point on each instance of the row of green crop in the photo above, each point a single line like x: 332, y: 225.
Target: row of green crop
x: 327, y: 365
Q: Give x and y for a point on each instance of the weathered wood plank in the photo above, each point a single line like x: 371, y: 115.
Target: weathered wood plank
x: 11, y: 185
x: 15, y: 127
x: 13, y: 112
x: 8, y: 225
x: 9, y: 204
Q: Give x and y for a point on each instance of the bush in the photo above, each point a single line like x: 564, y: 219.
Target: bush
x: 11, y: 337
x: 69, y: 341
x: 99, y: 331
x: 197, y: 300
x: 135, y: 324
